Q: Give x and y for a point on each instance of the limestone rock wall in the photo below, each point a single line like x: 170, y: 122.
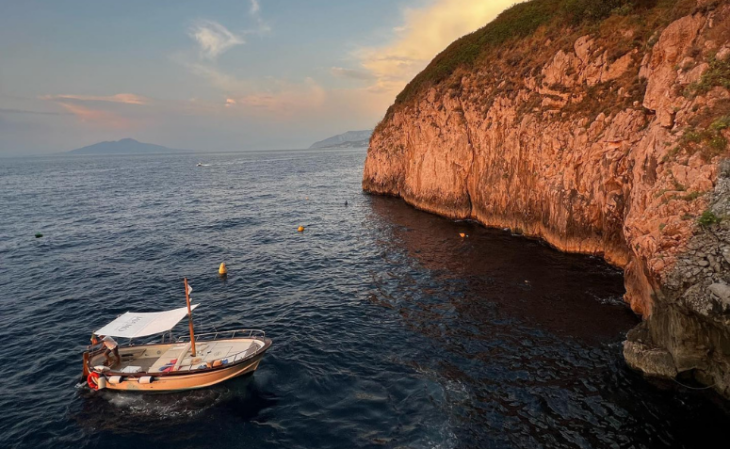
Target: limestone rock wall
x: 595, y: 153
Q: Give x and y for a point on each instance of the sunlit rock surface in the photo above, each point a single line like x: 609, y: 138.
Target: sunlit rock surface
x: 618, y: 155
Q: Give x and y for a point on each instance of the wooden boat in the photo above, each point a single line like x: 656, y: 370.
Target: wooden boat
x: 189, y: 362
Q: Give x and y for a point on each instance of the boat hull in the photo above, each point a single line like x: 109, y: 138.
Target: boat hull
x: 161, y: 378
x: 189, y: 381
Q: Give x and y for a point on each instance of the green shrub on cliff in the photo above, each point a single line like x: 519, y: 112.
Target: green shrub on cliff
x: 524, y: 19
x: 721, y: 123
x: 579, y: 10
x: 518, y: 21
x: 717, y: 75
x: 710, y: 142
x: 708, y: 218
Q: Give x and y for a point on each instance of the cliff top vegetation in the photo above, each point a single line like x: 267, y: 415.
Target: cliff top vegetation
x: 552, y: 18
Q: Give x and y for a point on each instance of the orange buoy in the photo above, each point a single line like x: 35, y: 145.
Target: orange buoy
x: 300, y: 229
x: 462, y: 235
x: 222, y: 270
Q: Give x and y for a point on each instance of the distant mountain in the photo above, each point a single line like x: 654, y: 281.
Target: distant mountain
x: 350, y: 139
x: 124, y: 146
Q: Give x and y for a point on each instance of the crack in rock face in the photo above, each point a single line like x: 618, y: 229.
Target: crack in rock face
x: 621, y: 154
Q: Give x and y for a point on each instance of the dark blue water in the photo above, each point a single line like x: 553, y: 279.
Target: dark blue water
x: 389, y: 330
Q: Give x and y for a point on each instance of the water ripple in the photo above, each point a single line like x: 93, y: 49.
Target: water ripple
x: 389, y: 330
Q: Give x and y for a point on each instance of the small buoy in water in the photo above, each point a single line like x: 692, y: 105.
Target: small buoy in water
x: 345, y: 202
x: 38, y: 235
x: 300, y: 229
x: 462, y: 235
x: 222, y: 270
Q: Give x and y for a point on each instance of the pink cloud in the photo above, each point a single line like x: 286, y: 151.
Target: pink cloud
x: 118, y: 98
x: 287, y: 99
x: 94, y: 116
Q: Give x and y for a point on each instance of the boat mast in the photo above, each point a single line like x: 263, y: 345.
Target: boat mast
x: 190, y: 317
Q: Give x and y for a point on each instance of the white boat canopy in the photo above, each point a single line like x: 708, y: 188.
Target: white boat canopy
x: 134, y: 325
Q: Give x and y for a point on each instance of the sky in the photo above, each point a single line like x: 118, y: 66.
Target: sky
x: 217, y: 75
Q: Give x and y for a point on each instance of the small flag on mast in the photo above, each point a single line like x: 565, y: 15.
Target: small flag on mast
x: 190, y: 289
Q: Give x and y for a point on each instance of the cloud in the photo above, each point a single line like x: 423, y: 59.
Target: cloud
x: 97, y: 117
x: 282, y: 98
x: 260, y: 96
x: 243, y: 95
x: 22, y: 111
x: 261, y: 25
x: 118, y: 98
x: 377, y: 73
x: 213, y: 38
x: 76, y: 105
x: 423, y: 34
x: 340, y: 72
x: 217, y: 77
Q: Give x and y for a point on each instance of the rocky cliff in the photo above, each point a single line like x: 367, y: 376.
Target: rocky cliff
x: 601, y: 132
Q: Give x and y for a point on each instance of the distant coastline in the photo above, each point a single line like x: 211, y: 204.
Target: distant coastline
x: 350, y: 139
x: 124, y: 146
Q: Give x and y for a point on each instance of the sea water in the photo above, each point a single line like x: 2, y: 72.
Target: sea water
x: 389, y: 329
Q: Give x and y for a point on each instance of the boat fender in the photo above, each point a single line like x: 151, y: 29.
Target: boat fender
x: 93, y: 380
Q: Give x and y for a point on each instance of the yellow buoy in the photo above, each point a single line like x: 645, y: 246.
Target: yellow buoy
x: 222, y: 270
x: 462, y: 235
x: 300, y: 229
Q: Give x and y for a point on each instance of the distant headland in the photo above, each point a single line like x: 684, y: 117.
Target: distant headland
x: 125, y: 146
x: 350, y: 139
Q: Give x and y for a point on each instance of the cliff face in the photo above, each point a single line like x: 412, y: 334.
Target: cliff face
x: 611, y: 143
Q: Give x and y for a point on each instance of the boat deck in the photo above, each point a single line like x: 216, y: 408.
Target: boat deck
x: 177, y: 357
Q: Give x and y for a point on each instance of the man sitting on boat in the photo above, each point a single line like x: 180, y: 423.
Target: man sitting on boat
x: 110, y: 347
